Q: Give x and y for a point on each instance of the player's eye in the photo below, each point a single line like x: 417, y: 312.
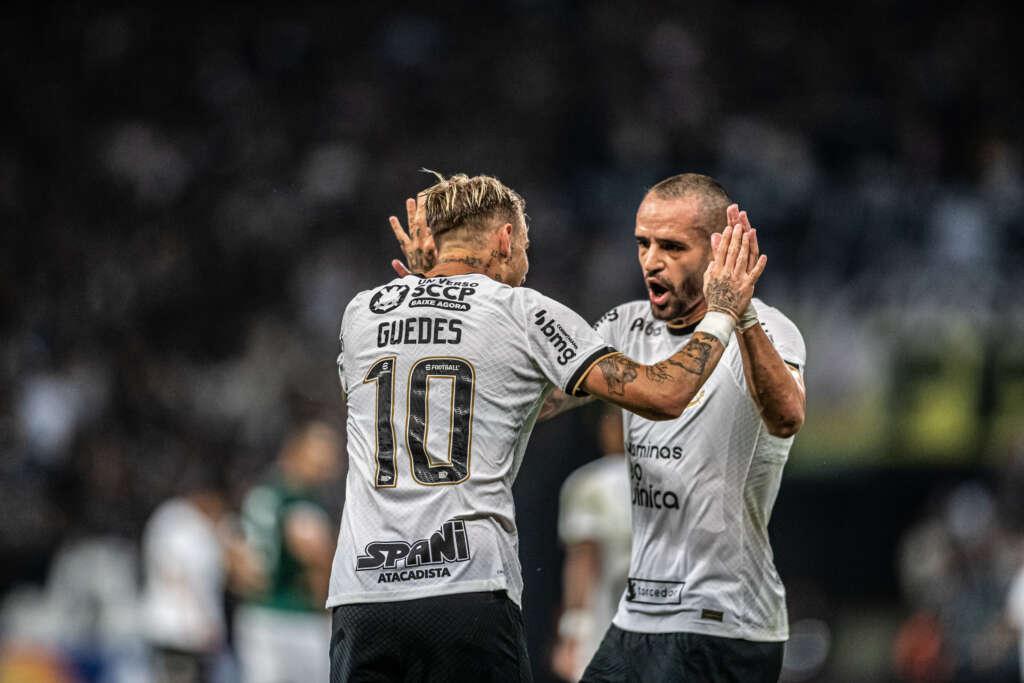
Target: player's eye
x: 644, y: 243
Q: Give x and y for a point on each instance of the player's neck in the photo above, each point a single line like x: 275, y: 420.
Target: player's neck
x: 693, y: 315
x: 461, y: 262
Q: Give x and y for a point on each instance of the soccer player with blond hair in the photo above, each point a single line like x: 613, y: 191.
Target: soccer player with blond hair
x: 444, y: 377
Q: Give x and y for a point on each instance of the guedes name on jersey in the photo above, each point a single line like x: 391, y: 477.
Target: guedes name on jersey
x: 419, y: 331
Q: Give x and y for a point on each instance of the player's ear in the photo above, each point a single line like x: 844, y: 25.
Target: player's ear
x: 505, y: 240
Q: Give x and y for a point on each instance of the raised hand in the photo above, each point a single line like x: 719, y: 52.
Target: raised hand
x: 735, y: 266
x: 417, y: 244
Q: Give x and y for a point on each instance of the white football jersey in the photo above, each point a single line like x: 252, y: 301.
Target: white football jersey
x: 702, y: 489
x: 444, y: 380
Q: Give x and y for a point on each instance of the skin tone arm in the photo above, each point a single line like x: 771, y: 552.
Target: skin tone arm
x: 663, y: 390
x: 579, y: 578
x: 775, y: 387
x: 559, y: 402
x: 309, y: 537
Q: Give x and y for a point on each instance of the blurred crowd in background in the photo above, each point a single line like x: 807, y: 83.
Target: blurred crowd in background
x: 189, y: 199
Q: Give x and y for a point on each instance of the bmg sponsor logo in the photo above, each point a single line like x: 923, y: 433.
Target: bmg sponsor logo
x: 448, y: 544
x: 610, y: 316
x: 556, y: 336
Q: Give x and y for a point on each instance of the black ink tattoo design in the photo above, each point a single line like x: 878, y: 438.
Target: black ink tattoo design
x: 468, y: 260
x: 721, y: 295
x: 422, y: 260
x: 658, y: 373
x: 618, y: 372
x: 695, y: 354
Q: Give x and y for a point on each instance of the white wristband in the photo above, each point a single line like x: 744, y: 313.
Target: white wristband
x: 748, y: 319
x: 719, y: 325
x: 576, y: 624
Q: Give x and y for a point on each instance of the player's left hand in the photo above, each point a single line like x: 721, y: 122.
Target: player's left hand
x: 729, y: 279
x: 735, y: 216
x: 418, y: 243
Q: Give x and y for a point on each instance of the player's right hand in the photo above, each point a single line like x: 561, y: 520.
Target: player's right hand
x: 730, y: 277
x: 418, y: 243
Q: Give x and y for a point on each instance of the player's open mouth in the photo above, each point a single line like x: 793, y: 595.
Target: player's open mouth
x: 657, y: 292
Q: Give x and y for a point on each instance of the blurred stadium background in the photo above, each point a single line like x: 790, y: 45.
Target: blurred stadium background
x: 189, y: 198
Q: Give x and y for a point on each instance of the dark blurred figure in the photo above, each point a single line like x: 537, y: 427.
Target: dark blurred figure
x: 283, y: 631
x: 956, y: 567
x: 594, y: 526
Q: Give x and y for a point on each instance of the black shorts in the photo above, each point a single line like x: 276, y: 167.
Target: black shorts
x: 461, y: 637
x: 686, y: 657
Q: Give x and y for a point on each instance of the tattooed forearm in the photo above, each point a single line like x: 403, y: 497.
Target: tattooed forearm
x: 695, y: 355
x: 618, y: 372
x: 658, y: 372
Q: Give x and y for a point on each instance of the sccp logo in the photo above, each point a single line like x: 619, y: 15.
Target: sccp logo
x: 389, y: 298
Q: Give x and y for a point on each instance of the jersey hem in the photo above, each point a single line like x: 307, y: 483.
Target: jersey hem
x: 659, y: 624
x: 335, y: 599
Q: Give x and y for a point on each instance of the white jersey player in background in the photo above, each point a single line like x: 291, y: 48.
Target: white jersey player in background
x: 593, y: 525
x: 444, y: 378
x: 704, y: 601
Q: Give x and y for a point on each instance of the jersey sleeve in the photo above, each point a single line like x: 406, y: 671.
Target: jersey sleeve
x: 562, y: 344
x: 346, y: 330
x: 785, y: 337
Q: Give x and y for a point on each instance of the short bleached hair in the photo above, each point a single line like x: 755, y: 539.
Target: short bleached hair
x: 465, y: 206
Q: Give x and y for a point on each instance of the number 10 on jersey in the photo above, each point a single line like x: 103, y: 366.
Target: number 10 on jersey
x: 426, y: 470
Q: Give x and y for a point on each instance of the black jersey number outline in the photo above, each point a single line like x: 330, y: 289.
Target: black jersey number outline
x: 426, y: 469
x: 382, y: 372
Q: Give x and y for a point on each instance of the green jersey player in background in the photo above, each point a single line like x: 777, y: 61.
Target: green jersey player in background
x: 703, y: 599
x: 280, y: 631
x: 444, y: 377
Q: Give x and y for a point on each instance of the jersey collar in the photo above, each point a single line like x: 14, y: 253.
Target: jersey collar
x: 679, y: 330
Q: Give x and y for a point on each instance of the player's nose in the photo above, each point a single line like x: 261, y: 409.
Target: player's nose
x: 651, y: 261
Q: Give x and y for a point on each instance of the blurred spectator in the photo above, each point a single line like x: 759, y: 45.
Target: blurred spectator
x: 956, y: 568
x: 283, y: 631
x: 594, y: 526
x: 186, y: 573
x: 84, y: 625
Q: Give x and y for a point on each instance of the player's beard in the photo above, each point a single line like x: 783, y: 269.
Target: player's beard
x: 683, y: 298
